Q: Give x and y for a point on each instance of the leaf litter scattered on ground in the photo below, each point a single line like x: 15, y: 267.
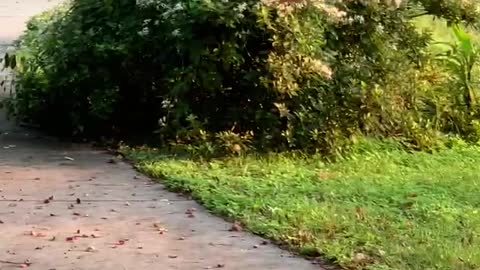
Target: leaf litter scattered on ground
x: 374, y: 210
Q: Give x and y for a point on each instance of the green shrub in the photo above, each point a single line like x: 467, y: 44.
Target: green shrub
x: 228, y: 76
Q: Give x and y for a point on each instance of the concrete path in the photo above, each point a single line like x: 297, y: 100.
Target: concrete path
x: 66, y: 206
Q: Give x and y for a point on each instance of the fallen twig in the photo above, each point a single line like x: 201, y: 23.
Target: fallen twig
x: 16, y: 263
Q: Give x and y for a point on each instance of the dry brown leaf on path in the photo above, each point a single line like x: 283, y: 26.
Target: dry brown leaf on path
x: 91, y: 249
x: 236, y: 227
x: 36, y: 234
x: 220, y: 265
x: 190, y: 212
x: 121, y: 242
x: 112, y: 161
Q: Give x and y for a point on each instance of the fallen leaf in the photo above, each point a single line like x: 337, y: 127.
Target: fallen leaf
x: 120, y: 243
x: 407, y: 205
x: 71, y: 238
x: 190, y: 211
x: 37, y: 234
x: 76, y: 214
x: 220, y: 265
x: 359, y: 212
x: 9, y: 146
x: 360, y: 257
x: 172, y: 256
x: 236, y: 227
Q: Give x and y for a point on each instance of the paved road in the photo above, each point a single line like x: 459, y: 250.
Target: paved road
x: 67, y: 206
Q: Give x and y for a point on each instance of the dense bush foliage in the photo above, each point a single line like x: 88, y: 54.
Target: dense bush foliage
x: 221, y: 75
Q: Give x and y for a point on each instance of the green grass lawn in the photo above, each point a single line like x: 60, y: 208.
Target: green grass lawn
x: 384, y: 209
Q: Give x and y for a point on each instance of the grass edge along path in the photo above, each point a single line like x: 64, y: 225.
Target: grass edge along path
x: 384, y: 209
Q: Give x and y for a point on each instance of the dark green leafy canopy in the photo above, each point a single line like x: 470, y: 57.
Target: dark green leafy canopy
x: 234, y: 75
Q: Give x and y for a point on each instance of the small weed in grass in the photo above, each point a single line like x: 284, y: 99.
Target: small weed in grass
x: 373, y: 210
